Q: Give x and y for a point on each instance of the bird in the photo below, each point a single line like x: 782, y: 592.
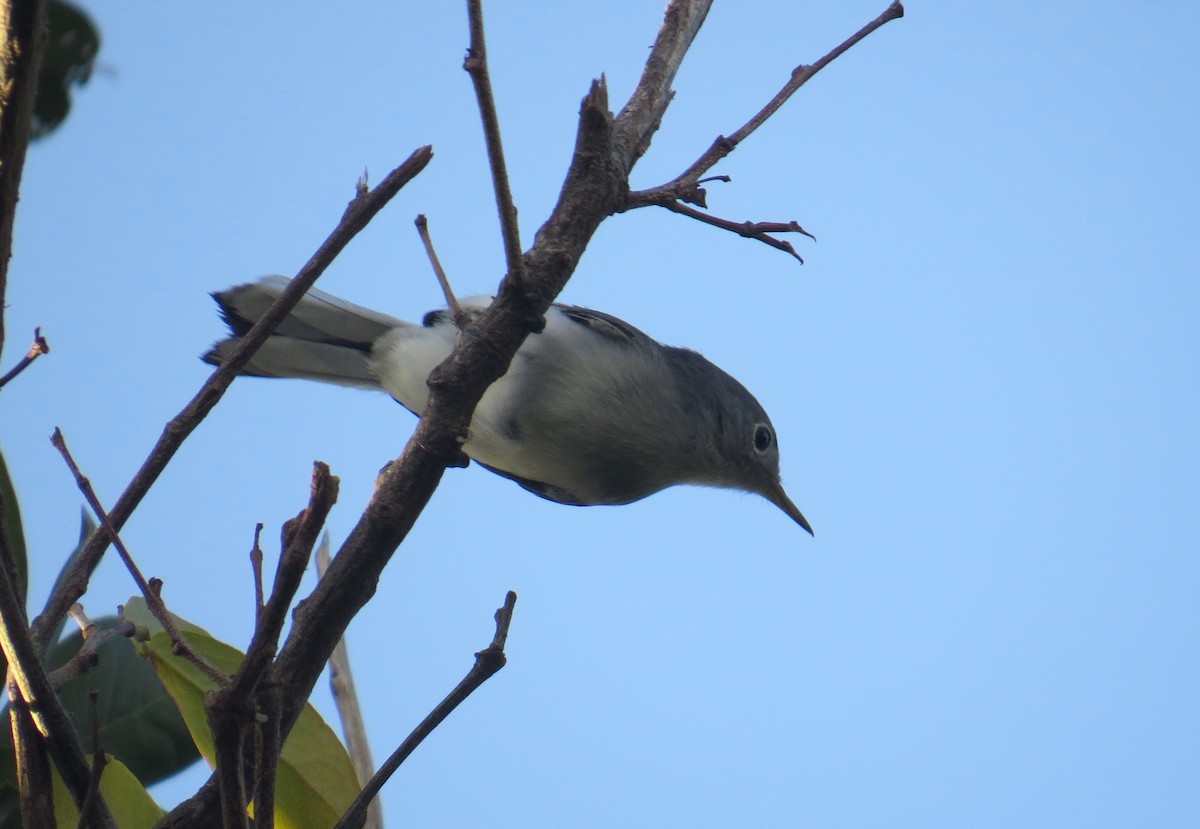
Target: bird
x: 591, y: 411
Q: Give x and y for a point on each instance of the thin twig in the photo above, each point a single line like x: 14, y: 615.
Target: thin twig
x: 87, y: 657
x: 256, y: 563
x: 477, y: 67
x: 299, y: 537
x: 99, y: 761
x: 686, y: 186
x: 750, y: 230
x: 360, y: 211
x: 801, y: 75
x: 233, y: 709
x: 345, y: 699
x: 39, y: 347
x: 456, y: 312
x: 487, y: 662
x: 151, y: 593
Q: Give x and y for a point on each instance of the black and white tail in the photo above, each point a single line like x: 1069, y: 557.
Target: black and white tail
x: 324, y: 338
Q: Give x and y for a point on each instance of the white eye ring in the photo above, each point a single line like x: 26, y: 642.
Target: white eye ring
x: 762, y: 438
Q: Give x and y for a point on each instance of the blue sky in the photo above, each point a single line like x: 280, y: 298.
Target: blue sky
x: 984, y: 380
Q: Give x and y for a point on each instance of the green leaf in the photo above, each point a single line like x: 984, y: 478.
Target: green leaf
x: 14, y: 532
x: 139, y: 724
x: 127, y: 799
x: 72, y: 44
x: 315, y: 779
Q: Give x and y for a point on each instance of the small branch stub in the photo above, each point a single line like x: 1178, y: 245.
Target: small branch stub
x: 39, y: 347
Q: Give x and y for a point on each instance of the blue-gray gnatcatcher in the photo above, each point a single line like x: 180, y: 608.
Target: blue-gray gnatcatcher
x: 591, y: 411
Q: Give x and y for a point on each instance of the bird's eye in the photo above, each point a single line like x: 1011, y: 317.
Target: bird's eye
x: 762, y: 438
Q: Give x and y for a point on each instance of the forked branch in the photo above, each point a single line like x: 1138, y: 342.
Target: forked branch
x: 686, y: 186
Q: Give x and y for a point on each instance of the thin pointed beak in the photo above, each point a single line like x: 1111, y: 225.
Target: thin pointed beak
x: 775, y: 494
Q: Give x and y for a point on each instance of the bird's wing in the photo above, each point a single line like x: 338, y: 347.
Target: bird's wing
x: 606, y: 325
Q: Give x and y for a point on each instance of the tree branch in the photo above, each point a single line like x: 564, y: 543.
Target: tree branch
x: 477, y: 67
x: 487, y: 662
x: 686, y: 186
x: 231, y: 709
x: 345, y: 699
x: 751, y: 230
x: 39, y: 347
x: 360, y: 211
x: 29, y: 686
x: 150, y: 591
x: 22, y: 45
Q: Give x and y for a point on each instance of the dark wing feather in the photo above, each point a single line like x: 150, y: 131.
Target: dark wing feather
x: 606, y: 325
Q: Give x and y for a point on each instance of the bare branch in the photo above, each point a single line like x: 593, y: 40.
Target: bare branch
x: 360, y: 211
x: 456, y: 312
x: 22, y: 45
x: 724, y: 145
x: 750, y: 230
x: 299, y: 536
x: 150, y: 590
x: 232, y: 709
x: 39, y: 347
x: 86, y: 657
x: 345, y: 698
x: 30, y: 690
x: 643, y: 113
x: 477, y: 67
x: 99, y: 761
x: 487, y: 662
x: 686, y: 186
x: 256, y: 563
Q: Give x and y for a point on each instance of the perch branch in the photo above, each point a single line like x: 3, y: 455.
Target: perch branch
x: 487, y: 662
x: 360, y: 211
x: 476, y: 65
x: 39, y: 347
x: 150, y: 591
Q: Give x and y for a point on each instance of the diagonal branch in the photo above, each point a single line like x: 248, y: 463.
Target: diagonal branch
x: 30, y: 692
x: 360, y: 211
x: 150, y: 590
x: 686, y: 186
x: 751, y: 230
x: 487, y: 662
x: 39, y: 347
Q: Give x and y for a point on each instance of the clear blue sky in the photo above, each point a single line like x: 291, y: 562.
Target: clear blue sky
x: 984, y: 379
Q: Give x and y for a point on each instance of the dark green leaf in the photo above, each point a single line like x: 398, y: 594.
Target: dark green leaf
x: 14, y: 532
x: 139, y: 723
x: 70, y: 56
x: 316, y: 781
